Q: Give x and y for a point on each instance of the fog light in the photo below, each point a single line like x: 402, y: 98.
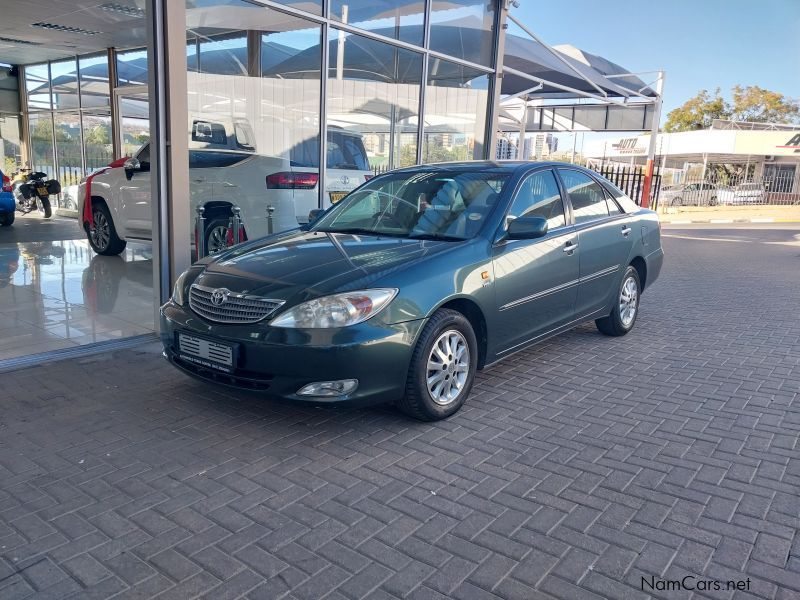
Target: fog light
x: 329, y: 388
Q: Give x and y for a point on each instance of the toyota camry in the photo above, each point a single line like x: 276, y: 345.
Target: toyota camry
x: 412, y: 283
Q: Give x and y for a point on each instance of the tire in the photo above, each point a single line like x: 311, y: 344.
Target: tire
x: 43, y: 204
x: 7, y: 219
x: 620, y: 321
x: 216, y: 234
x: 445, y: 329
x: 713, y: 201
x: 677, y: 202
x: 103, y: 237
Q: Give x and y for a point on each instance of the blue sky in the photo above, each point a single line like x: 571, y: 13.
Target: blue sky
x: 701, y: 44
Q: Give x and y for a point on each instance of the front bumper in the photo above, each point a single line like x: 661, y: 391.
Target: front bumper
x: 280, y: 361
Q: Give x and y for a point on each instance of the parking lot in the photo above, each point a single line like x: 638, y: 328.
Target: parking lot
x: 578, y: 469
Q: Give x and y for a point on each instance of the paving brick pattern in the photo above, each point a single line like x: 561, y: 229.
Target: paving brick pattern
x: 577, y: 468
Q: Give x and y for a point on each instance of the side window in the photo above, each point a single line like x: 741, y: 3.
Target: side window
x: 588, y: 199
x: 613, y: 207
x: 539, y: 197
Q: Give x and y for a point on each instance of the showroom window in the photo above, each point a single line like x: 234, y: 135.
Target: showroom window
x: 373, y: 94
x: 132, y: 67
x: 40, y: 130
x: 37, y: 86
x: 401, y: 19
x: 456, y: 103
x: 464, y: 29
x: 64, y: 84
x: 94, y: 81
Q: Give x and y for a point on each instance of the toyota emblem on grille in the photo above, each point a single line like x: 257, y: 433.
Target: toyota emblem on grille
x: 344, y: 179
x: 219, y: 297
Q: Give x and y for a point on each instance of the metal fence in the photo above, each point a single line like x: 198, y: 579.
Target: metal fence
x: 774, y: 187
x: 630, y: 179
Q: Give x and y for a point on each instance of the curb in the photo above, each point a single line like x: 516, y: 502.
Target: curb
x: 722, y: 221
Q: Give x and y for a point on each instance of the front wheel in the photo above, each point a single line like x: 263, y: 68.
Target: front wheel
x: 713, y: 201
x: 103, y: 236
x: 7, y: 219
x: 43, y: 204
x: 443, y: 367
x: 626, y: 308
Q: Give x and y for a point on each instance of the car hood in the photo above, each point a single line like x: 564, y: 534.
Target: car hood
x: 305, y: 265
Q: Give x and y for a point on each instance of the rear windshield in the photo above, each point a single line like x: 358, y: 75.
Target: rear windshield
x: 345, y: 151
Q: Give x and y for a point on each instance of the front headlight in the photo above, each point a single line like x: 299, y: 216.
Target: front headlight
x: 178, y: 296
x: 338, y: 310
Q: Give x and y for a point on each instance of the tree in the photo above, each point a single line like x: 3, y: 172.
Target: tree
x: 697, y: 112
x: 753, y: 103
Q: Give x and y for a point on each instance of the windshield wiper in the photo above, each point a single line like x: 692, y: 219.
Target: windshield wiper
x: 436, y: 236
x: 361, y: 231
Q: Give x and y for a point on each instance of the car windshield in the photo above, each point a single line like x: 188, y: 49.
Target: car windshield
x: 435, y: 204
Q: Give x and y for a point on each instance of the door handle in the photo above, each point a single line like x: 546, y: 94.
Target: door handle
x: 626, y: 230
x: 569, y: 247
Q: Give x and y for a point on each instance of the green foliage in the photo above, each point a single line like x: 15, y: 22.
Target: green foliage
x: 751, y: 103
x: 697, y: 112
x: 99, y: 135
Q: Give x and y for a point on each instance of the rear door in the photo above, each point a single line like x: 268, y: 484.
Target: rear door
x: 604, y: 240
x: 536, y: 281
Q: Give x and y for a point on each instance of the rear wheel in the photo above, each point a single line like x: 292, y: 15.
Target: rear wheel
x: 216, y: 235
x: 626, y: 308
x: 103, y: 236
x: 43, y: 204
x: 713, y: 201
x: 443, y: 367
x: 7, y: 219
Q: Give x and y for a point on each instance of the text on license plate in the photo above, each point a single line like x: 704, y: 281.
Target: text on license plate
x: 42, y: 191
x: 205, y: 350
x: 336, y: 196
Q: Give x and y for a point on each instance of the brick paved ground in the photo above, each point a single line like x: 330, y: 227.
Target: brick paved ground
x: 576, y: 469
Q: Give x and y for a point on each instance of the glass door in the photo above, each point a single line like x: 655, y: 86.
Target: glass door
x: 133, y: 118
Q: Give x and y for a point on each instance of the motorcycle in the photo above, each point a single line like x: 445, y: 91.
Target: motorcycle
x: 32, y: 191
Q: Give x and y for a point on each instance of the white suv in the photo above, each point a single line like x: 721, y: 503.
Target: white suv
x: 224, y: 170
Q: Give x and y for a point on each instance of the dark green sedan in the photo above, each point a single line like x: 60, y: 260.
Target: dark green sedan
x: 415, y: 281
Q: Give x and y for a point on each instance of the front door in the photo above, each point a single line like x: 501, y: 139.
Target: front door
x: 133, y: 134
x: 604, y: 240
x: 536, y: 281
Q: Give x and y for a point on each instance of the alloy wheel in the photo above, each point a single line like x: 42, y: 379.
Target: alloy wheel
x: 217, y: 239
x: 628, y: 299
x: 101, y: 232
x: 448, y: 367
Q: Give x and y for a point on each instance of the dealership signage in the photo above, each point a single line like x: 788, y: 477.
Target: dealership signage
x: 793, y: 143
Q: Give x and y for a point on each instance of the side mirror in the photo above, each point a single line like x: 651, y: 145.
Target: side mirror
x: 527, y: 228
x: 315, y: 214
x: 131, y: 165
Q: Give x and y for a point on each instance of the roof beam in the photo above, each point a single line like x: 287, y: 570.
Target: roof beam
x: 561, y: 58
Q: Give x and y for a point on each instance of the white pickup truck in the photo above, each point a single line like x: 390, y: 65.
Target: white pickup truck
x: 224, y: 170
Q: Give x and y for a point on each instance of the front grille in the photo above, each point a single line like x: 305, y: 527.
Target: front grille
x: 236, y: 308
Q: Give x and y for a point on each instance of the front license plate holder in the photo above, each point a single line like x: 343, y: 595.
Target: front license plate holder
x: 207, y: 352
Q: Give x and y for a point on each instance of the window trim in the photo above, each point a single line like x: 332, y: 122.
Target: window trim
x: 502, y: 228
x: 594, y: 221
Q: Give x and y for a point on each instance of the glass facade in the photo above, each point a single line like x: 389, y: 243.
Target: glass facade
x: 262, y: 83
x: 69, y: 121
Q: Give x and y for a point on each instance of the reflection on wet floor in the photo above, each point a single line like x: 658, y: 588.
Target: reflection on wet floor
x: 59, y: 294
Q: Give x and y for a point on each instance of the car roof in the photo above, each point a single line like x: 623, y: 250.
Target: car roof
x: 512, y: 166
